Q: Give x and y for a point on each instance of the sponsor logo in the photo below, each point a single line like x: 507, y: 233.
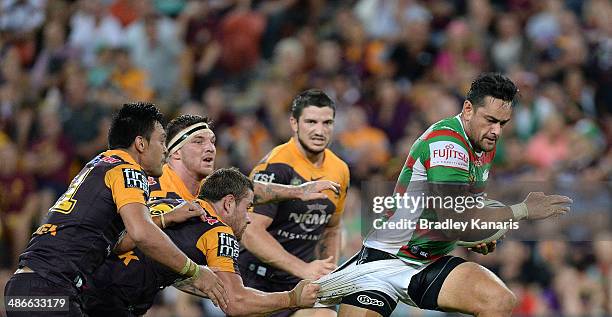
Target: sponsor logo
x: 445, y: 153
x: 110, y: 160
x: 265, y: 178
x: 312, y: 219
x: 297, y: 236
x: 367, y: 300
x: 315, y: 178
x: 209, y: 219
x: 485, y: 175
x: 135, y: 179
x: 228, y: 246
x: 151, y: 181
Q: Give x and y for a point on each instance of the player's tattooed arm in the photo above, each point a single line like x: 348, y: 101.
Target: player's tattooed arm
x: 266, y: 192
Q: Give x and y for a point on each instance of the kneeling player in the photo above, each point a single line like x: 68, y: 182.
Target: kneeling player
x: 127, y: 284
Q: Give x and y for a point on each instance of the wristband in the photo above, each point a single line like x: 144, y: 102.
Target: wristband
x: 519, y: 211
x: 186, y: 267
x: 194, y: 270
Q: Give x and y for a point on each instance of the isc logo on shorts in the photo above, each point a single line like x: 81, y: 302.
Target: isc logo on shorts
x: 135, y: 179
x: 367, y: 300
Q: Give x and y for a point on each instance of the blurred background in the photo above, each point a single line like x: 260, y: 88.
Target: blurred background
x: 393, y: 67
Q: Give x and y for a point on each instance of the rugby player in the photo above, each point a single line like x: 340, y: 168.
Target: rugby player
x: 412, y: 266
x: 126, y: 286
x: 106, y: 197
x: 281, y: 240
x: 191, y: 157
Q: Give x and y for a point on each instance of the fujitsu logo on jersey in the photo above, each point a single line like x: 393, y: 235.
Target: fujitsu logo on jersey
x: 449, y: 151
x: 445, y: 153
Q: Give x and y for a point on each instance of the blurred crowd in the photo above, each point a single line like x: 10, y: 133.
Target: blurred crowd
x: 393, y: 67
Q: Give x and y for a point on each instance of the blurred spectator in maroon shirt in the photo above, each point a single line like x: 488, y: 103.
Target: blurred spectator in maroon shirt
x: 18, y: 200
x: 390, y: 112
x: 50, y: 157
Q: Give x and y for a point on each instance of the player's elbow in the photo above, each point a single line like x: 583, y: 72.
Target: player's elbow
x: 138, y: 234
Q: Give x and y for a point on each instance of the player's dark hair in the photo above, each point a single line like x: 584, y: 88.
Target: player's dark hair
x: 311, y: 97
x: 179, y: 123
x: 491, y: 84
x: 132, y: 120
x: 223, y: 182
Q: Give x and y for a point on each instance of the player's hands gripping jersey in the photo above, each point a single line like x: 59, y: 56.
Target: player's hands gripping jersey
x: 304, y: 294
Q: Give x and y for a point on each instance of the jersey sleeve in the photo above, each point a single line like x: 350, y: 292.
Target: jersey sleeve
x: 446, y: 158
x: 270, y: 173
x: 221, y: 249
x: 128, y: 184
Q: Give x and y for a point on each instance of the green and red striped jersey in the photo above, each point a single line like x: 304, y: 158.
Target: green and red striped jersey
x: 441, y: 155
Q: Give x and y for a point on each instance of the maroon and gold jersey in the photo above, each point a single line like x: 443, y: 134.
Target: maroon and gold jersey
x: 169, y: 185
x: 83, y: 226
x: 131, y: 280
x: 297, y: 225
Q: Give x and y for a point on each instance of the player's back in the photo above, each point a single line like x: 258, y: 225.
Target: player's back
x: 83, y: 225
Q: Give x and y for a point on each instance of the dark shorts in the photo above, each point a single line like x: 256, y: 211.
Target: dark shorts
x: 32, y: 284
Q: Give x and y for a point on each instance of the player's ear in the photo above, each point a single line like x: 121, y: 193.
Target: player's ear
x: 229, y: 202
x: 468, y: 110
x: 294, y: 124
x: 140, y: 143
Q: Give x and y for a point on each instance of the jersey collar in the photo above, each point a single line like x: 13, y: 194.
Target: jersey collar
x: 458, y: 117
x: 294, y: 148
x: 177, y: 183
x: 124, y: 155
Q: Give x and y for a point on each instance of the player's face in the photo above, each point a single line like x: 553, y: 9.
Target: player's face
x: 314, y: 128
x: 484, y: 124
x: 241, y: 216
x: 198, y: 155
x: 154, y: 154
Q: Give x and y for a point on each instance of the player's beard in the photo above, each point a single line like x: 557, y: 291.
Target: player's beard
x: 307, y: 148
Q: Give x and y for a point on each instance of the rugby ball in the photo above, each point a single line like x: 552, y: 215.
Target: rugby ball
x: 489, y: 203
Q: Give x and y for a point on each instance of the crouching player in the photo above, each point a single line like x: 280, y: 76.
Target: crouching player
x: 126, y: 285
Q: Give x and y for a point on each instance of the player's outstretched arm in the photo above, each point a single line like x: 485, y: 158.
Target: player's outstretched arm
x: 156, y: 245
x: 247, y: 301
x: 536, y: 206
x: 263, y: 245
x: 266, y: 192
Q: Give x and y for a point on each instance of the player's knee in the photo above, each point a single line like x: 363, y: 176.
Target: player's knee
x: 502, y: 301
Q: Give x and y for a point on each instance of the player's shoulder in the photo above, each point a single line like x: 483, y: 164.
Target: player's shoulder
x: 113, y: 160
x: 336, y: 163
x: 280, y: 154
x: 448, y: 130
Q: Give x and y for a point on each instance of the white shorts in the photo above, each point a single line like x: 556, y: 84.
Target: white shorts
x: 383, y: 280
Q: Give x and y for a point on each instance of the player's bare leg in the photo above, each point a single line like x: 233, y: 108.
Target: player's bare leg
x: 354, y: 311
x: 314, y: 312
x: 471, y: 288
